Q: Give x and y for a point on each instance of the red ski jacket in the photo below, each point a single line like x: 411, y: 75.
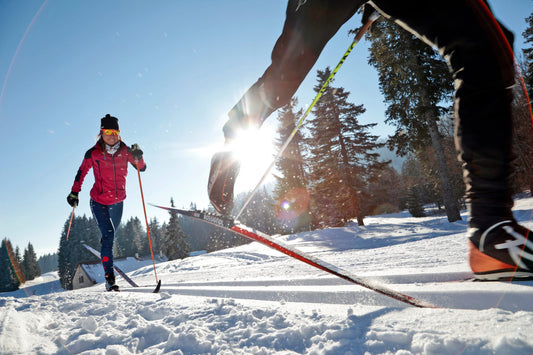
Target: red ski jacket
x: 109, y: 173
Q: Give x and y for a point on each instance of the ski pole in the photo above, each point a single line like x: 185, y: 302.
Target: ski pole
x: 356, y: 40
x: 146, y: 219
x: 70, y: 222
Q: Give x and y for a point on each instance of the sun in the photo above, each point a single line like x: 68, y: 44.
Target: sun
x: 256, y: 151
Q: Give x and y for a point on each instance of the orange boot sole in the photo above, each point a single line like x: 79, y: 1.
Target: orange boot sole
x: 487, y: 268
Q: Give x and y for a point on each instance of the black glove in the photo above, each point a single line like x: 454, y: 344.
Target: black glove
x: 224, y: 170
x: 73, y: 199
x: 136, y: 152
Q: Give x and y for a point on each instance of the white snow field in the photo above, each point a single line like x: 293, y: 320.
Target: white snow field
x: 254, y: 300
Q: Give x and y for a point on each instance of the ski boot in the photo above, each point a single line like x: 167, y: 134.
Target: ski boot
x: 110, y: 282
x: 224, y: 170
x: 504, y: 251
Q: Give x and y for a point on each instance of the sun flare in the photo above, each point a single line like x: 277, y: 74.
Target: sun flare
x: 256, y: 152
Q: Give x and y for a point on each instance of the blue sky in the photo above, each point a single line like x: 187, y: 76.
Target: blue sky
x: 169, y: 70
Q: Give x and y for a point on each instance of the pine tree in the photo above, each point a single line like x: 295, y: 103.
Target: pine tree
x: 156, y: 235
x: 342, y: 156
x: 8, y: 277
x: 122, y: 242
x: 131, y: 239
x: 290, y: 194
x: 123, y: 245
x: 175, y: 245
x: 414, y: 205
x: 414, y: 80
x: 72, y: 252
x: 140, y: 238
x: 23, y: 266
x: 18, y: 257
x: 65, y: 268
x: 29, y: 264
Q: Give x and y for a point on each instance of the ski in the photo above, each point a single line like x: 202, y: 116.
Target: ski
x: 227, y: 223
x: 120, y: 272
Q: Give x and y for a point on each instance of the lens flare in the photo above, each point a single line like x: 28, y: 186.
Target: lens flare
x: 13, y: 60
x: 16, y: 267
x: 292, y: 204
x: 255, y: 150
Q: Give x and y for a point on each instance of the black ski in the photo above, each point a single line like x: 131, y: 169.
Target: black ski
x: 120, y: 272
x: 229, y: 224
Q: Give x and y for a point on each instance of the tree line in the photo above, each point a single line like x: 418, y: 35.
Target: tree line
x: 17, y: 268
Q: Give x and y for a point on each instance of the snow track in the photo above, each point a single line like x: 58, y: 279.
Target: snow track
x: 445, y: 290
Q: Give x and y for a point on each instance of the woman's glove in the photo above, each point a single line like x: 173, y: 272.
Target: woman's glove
x: 73, y: 199
x: 136, y: 152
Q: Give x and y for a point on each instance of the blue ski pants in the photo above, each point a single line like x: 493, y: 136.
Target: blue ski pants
x: 108, y: 218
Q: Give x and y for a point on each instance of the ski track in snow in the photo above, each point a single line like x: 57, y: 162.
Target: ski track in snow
x: 254, y: 300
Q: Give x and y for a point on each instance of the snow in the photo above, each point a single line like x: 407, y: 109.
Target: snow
x: 254, y: 300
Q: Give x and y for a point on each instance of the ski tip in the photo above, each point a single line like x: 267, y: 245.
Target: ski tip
x: 158, y: 206
x: 156, y: 290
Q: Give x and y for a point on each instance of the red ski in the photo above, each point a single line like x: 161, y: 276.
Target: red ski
x: 228, y: 223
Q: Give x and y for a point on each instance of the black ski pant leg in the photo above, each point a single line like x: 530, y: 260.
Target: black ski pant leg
x: 308, y: 27
x: 482, y: 66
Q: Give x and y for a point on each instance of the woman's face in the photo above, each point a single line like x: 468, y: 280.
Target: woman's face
x: 112, y: 138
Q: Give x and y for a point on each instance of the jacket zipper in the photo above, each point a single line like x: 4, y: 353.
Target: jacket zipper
x: 115, y: 177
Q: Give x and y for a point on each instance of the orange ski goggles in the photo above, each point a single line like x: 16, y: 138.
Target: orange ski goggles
x: 111, y: 132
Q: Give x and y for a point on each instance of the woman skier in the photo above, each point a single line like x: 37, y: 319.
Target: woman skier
x: 109, y: 159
